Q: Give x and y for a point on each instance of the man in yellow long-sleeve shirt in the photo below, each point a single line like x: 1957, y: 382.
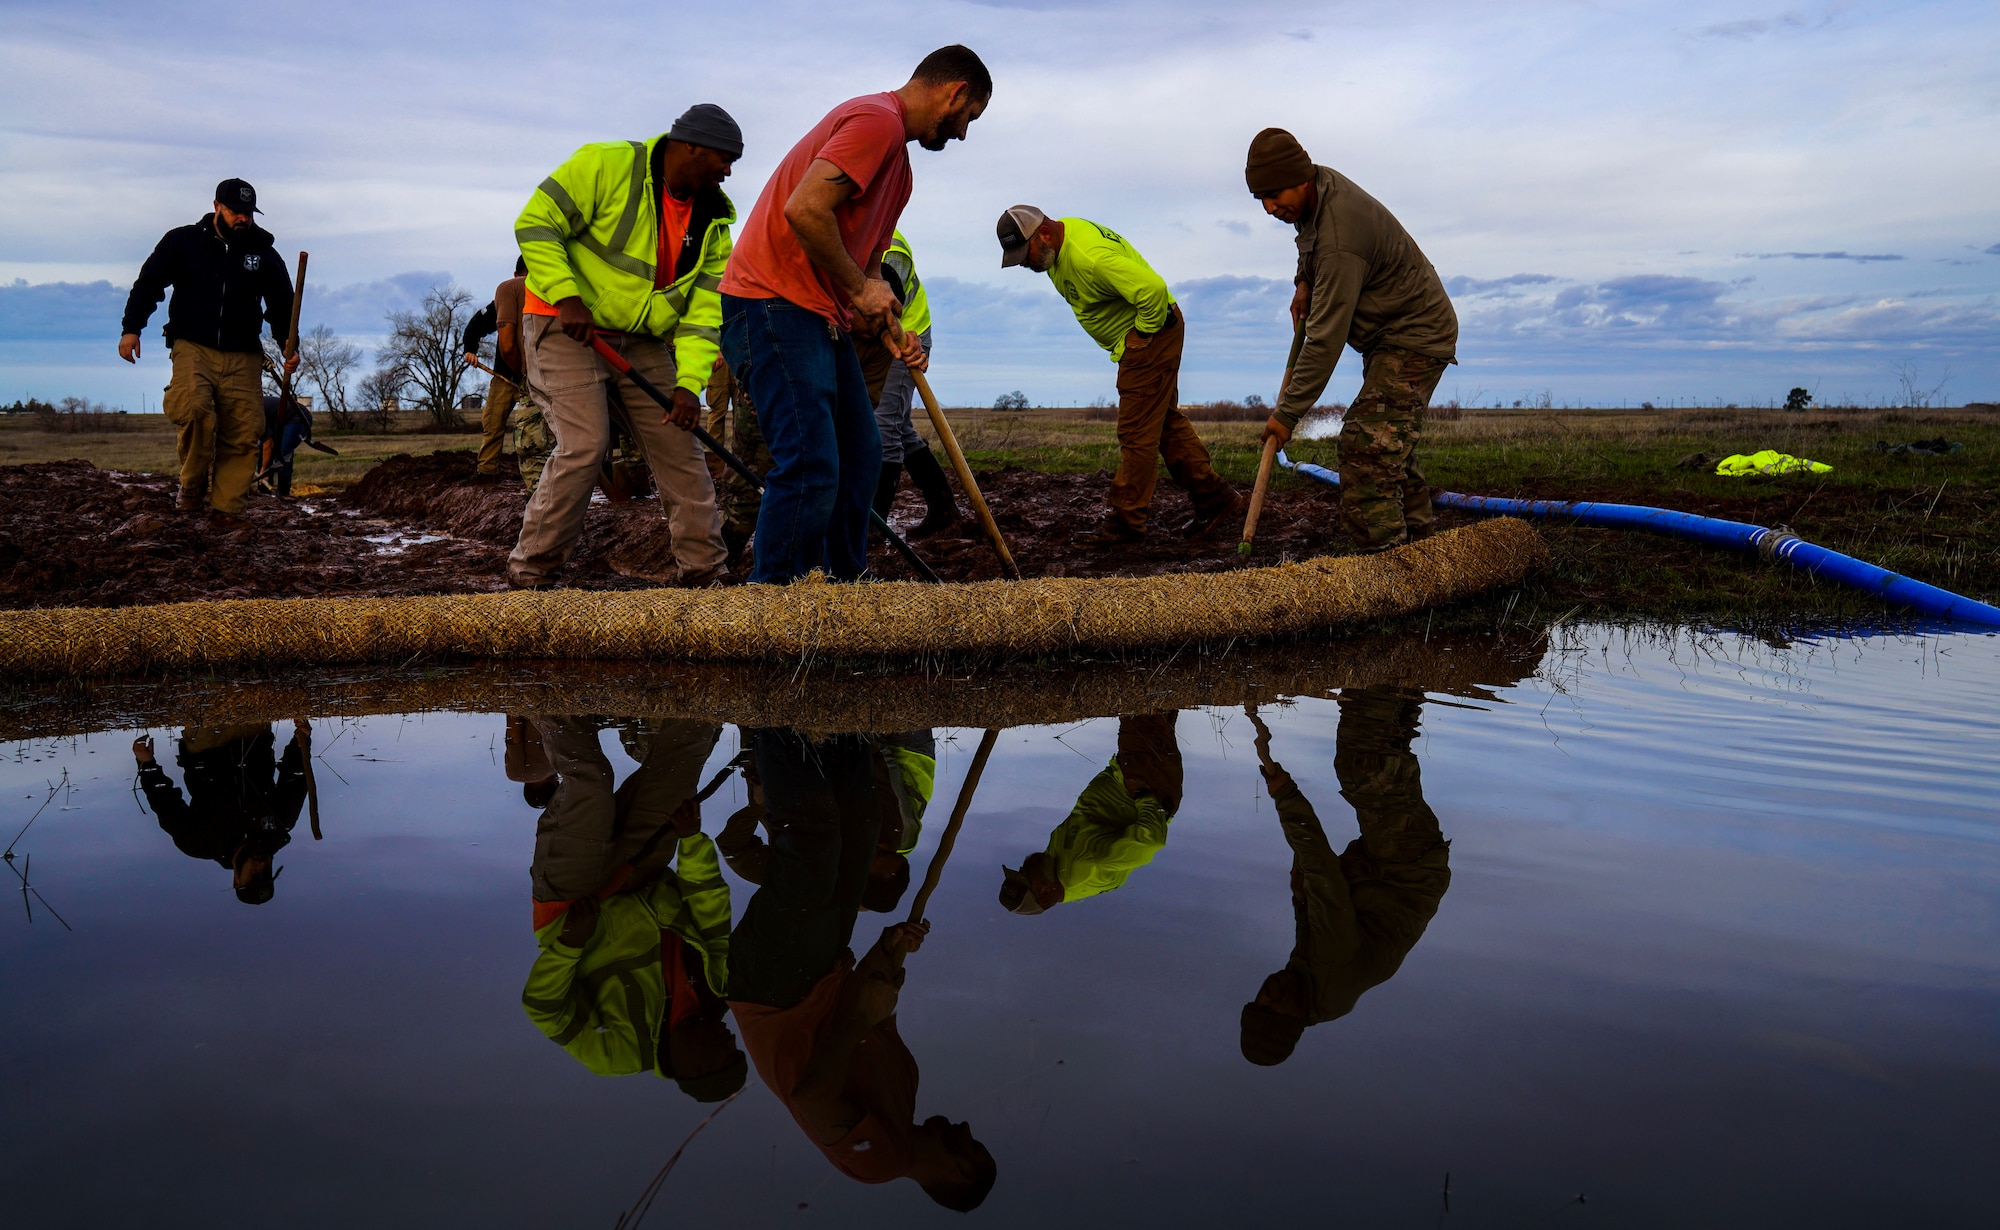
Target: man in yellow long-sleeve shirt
x: 1127, y: 309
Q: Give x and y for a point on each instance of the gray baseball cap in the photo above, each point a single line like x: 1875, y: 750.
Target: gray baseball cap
x: 1016, y: 224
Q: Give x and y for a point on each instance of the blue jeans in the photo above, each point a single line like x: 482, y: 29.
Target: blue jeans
x: 812, y: 404
x: 824, y: 818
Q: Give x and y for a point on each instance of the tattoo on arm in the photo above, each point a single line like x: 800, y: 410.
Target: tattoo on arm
x: 841, y: 178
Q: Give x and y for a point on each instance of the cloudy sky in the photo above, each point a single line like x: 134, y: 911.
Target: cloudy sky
x: 1628, y: 200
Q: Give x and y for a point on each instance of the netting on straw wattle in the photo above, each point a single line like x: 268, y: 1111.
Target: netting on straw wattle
x: 759, y: 622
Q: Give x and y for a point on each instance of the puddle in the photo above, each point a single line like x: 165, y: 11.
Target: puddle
x: 397, y: 541
x: 1695, y: 928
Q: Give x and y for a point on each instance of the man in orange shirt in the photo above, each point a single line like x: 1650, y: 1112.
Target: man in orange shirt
x: 806, y: 277
x: 820, y: 1027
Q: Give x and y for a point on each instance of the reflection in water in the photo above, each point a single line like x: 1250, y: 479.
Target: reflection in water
x: 1118, y: 824
x: 242, y: 801
x: 1357, y: 913
x: 630, y: 907
x: 820, y: 1026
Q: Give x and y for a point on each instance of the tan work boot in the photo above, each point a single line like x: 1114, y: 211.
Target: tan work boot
x: 192, y: 498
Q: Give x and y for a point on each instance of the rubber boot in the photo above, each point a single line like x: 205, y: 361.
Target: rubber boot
x: 885, y: 487
x: 928, y: 475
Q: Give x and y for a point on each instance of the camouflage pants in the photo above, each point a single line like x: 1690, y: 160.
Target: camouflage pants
x: 533, y: 444
x: 732, y: 419
x: 1385, y: 500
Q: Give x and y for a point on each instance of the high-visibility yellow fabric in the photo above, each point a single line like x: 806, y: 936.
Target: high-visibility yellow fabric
x: 1108, y: 285
x: 591, y: 229
x: 603, y: 1002
x: 916, y: 301
x: 1107, y: 836
x: 1768, y: 461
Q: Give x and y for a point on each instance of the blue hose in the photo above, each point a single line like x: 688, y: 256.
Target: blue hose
x: 1815, y: 561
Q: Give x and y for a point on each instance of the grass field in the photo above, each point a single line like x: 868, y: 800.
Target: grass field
x: 1936, y: 518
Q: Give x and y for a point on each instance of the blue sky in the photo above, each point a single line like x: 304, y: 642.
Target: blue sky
x: 1629, y: 201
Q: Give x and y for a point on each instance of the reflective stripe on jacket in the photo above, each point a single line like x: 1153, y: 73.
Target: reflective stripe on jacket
x: 603, y: 1003
x: 592, y: 229
x: 901, y: 267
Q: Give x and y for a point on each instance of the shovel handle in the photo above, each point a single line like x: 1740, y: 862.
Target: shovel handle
x: 965, y: 479
x: 1257, y: 494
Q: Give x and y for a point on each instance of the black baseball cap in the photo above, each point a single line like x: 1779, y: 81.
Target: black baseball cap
x: 238, y: 195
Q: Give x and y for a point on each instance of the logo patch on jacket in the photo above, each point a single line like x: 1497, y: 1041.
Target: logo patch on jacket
x: 252, y: 261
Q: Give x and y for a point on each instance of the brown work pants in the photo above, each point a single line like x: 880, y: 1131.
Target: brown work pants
x: 216, y: 404
x: 501, y: 394
x: 1152, y: 429
x: 1149, y: 757
x: 577, y: 395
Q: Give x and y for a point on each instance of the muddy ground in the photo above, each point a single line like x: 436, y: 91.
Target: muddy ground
x: 72, y: 534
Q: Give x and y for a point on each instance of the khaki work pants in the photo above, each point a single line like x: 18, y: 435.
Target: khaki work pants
x: 1385, y: 500
x: 590, y: 830
x: 577, y: 395
x: 1152, y: 429
x: 501, y: 394
x: 216, y: 404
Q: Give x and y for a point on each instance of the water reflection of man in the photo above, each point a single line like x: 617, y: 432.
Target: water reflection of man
x: 1360, y: 912
x: 242, y: 801
x: 631, y: 910
x: 528, y: 762
x: 821, y: 1027
x: 1118, y: 824
x: 905, y: 771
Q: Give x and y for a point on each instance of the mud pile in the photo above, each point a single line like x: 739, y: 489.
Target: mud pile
x: 75, y: 535
x: 1041, y: 513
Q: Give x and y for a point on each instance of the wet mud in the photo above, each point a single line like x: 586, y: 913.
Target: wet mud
x: 72, y: 534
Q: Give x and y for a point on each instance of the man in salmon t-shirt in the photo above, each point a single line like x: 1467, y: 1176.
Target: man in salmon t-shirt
x: 819, y: 1026
x: 805, y: 276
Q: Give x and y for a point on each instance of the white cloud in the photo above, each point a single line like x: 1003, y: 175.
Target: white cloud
x: 1591, y: 144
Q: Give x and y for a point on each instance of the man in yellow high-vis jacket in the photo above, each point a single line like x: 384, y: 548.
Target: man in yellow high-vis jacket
x: 1126, y: 308
x: 627, y: 240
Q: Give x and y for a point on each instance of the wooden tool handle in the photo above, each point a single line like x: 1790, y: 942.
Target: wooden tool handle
x: 965, y: 478
x: 935, y: 871
x: 1257, y: 494
x: 292, y: 338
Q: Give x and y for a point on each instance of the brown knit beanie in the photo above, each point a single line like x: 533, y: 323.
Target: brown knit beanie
x: 1277, y: 162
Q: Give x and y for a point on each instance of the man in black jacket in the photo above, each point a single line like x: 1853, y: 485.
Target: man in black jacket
x: 242, y: 798
x: 226, y: 276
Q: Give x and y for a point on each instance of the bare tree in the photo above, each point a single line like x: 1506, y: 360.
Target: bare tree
x: 1911, y: 391
x: 379, y: 392
x: 325, y: 361
x: 425, y: 346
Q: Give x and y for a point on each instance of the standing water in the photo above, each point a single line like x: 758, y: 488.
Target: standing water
x: 1659, y: 930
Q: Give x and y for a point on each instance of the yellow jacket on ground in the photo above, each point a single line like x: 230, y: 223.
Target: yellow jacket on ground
x: 1108, y: 285
x: 592, y: 229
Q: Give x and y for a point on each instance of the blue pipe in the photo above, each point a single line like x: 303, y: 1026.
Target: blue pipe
x: 1815, y: 561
